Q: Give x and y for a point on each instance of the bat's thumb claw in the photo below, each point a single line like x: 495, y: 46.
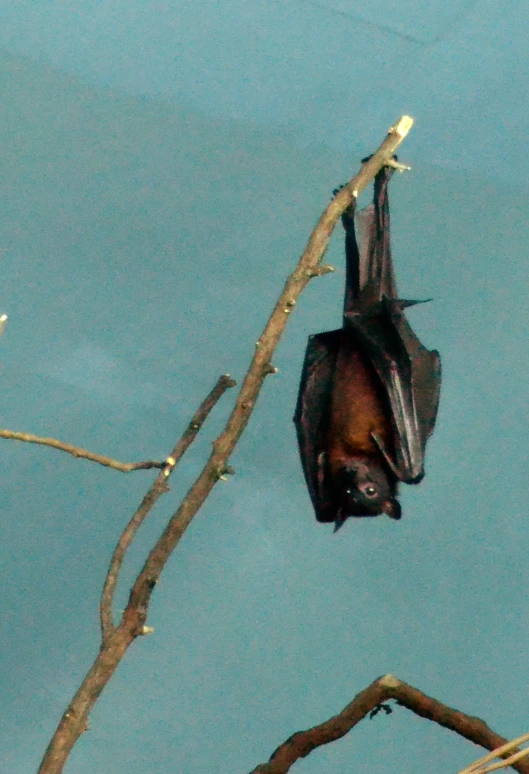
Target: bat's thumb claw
x: 404, y: 303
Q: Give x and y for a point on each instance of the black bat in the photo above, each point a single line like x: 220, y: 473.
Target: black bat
x: 369, y: 391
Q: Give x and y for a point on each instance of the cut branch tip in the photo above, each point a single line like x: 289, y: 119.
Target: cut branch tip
x: 389, y: 681
x: 402, y: 127
x: 227, y: 381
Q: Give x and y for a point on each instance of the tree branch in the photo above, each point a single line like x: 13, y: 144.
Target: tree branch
x: 302, y: 743
x: 158, y: 488
x: 132, y: 624
x: 76, y: 451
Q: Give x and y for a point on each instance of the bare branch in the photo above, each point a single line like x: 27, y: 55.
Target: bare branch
x: 307, y: 268
x: 158, y: 488
x: 3, y: 322
x: 76, y: 451
x: 302, y: 743
x: 132, y: 623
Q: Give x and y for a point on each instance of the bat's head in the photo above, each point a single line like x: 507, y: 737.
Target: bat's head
x: 364, y: 487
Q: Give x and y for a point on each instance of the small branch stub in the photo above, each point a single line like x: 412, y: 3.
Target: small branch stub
x: 398, y: 166
x: 320, y: 271
x: 170, y: 464
x: 222, y: 472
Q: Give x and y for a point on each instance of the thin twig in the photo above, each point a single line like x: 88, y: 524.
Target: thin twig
x: 76, y: 451
x: 158, y: 488
x: 132, y: 623
x: 480, y: 766
x: 302, y: 743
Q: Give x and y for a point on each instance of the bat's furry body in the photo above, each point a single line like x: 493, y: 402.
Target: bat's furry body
x: 369, y: 392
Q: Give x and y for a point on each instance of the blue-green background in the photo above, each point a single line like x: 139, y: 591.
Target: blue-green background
x: 161, y: 166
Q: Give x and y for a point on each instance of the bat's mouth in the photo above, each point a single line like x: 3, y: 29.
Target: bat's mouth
x: 341, y: 519
x: 389, y: 508
x: 360, y: 513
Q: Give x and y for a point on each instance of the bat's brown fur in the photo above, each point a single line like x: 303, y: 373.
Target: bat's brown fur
x: 357, y: 409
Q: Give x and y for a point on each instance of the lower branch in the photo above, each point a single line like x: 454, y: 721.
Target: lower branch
x: 302, y: 743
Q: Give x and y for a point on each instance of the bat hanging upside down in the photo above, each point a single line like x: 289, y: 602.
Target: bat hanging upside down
x: 369, y: 392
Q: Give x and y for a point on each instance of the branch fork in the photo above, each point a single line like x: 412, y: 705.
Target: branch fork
x: 117, y: 638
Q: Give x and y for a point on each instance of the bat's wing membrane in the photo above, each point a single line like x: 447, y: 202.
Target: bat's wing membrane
x: 312, y: 415
x: 372, y: 225
x: 410, y: 375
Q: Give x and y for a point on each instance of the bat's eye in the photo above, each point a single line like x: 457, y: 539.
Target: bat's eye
x: 348, y: 491
x: 370, y: 491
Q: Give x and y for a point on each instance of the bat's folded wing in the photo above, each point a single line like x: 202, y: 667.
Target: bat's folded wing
x: 411, y: 378
x: 312, y: 413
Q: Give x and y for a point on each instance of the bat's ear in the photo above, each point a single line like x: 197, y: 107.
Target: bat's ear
x: 392, y: 509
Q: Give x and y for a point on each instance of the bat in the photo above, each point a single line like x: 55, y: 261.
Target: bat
x: 369, y: 391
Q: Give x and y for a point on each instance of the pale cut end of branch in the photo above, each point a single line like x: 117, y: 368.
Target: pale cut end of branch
x: 228, y: 381
x: 389, y: 681
x: 402, y: 127
x: 3, y: 321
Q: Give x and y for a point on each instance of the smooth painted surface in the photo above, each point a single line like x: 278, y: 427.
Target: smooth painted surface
x: 144, y: 240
